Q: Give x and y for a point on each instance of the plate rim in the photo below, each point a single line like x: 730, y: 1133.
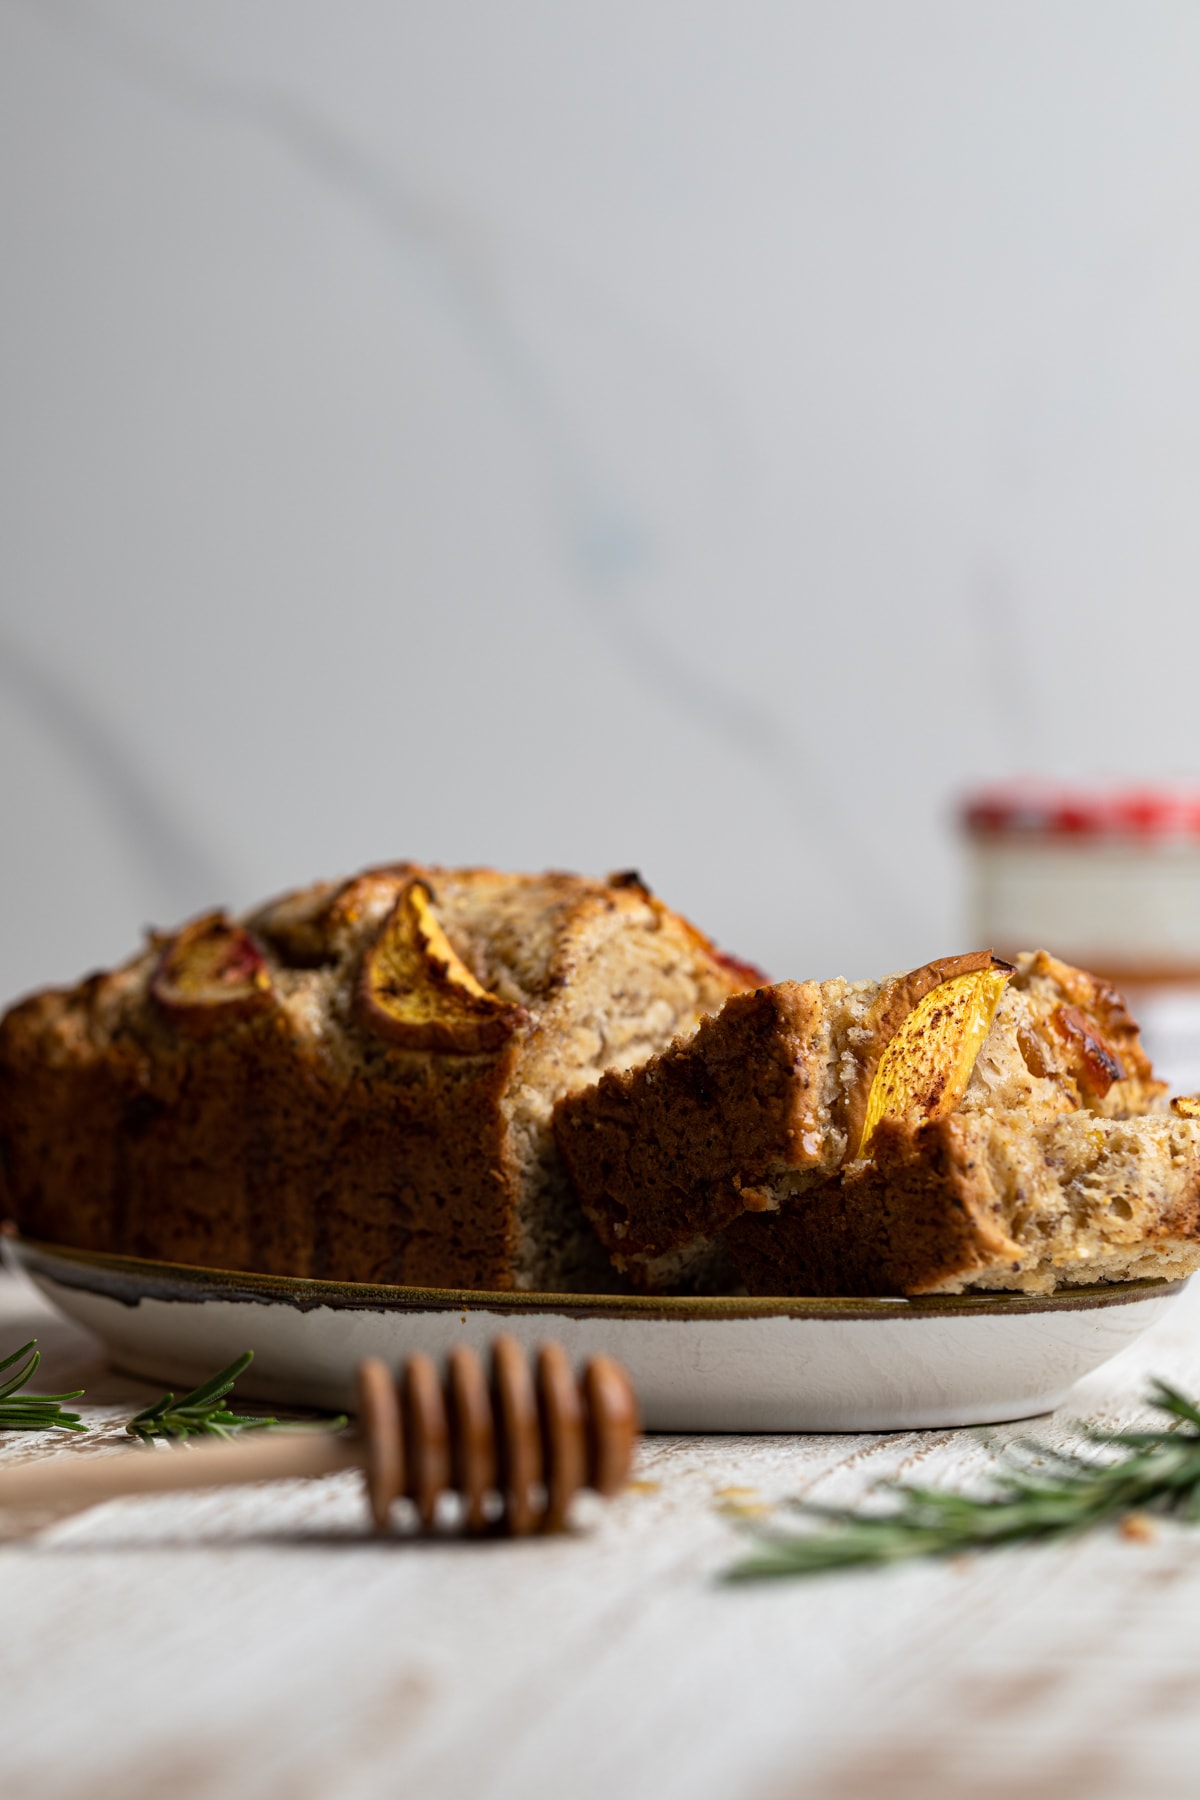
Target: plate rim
x: 131, y: 1279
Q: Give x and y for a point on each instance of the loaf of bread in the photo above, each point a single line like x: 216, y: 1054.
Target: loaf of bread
x: 1043, y: 1156
x: 355, y: 1081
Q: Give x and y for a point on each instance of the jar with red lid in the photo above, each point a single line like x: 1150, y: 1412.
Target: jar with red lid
x: 1108, y: 878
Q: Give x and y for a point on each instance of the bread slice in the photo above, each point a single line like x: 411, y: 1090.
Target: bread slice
x: 354, y: 1081
x: 768, y: 1100
x: 739, y: 1115
x: 979, y: 1201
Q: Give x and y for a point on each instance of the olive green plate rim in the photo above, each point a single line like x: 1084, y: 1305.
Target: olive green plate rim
x: 131, y: 1279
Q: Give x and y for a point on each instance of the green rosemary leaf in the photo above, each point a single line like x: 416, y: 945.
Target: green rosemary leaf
x: 18, y: 1354
x: 33, y: 1412
x: 23, y: 1374
x: 217, y: 1386
x: 151, y: 1413
x: 1072, y: 1492
x: 206, y: 1412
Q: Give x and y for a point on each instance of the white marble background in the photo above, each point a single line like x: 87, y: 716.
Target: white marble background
x: 693, y: 436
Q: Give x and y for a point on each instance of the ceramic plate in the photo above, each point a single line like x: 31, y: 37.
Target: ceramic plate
x: 698, y: 1365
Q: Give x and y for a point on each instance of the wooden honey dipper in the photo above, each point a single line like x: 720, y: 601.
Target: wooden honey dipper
x: 533, y: 1438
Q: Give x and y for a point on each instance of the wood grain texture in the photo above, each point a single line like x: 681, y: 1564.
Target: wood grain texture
x: 260, y: 1642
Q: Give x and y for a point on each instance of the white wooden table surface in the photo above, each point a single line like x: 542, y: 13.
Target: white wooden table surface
x: 258, y: 1643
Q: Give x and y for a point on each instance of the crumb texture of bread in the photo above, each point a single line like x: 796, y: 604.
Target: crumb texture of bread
x: 354, y: 1081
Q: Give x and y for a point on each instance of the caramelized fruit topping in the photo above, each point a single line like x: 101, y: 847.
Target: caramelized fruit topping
x: 924, y: 1071
x: 1094, y: 1063
x: 210, y: 972
x: 417, y: 991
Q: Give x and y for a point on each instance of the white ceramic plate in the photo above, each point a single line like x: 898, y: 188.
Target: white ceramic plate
x: 698, y: 1365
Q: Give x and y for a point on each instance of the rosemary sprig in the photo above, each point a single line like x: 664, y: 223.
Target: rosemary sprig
x: 33, y: 1412
x: 1159, y: 1473
x: 205, y: 1411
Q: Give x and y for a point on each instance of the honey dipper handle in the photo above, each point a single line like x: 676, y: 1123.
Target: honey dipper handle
x: 71, y: 1479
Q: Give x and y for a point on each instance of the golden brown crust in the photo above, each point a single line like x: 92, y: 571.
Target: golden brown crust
x: 230, y: 1098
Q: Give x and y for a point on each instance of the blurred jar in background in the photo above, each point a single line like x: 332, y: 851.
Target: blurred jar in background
x: 1105, y: 878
